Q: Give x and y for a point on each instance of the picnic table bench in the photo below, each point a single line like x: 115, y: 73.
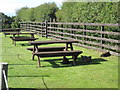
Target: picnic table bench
x: 9, y: 33
x: 74, y: 54
x: 18, y: 33
x: 46, y: 49
x: 14, y: 39
x: 37, y: 51
x: 11, y: 30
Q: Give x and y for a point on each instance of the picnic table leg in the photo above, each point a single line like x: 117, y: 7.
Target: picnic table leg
x: 14, y: 42
x: 33, y: 54
x: 71, y: 46
x: 35, y: 49
x: 39, y: 62
x: 74, y: 59
x: 66, y: 48
x: 13, y: 35
x: 33, y: 57
x: 65, y: 60
x: 32, y: 35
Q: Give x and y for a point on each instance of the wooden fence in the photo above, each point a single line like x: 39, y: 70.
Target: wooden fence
x: 102, y: 37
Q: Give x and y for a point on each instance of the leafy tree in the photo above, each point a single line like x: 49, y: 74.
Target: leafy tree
x: 6, y: 20
x: 21, y: 14
x: 40, y: 13
x: 88, y: 12
x: 45, y: 12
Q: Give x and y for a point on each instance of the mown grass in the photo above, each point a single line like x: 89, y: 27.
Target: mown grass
x: 23, y: 72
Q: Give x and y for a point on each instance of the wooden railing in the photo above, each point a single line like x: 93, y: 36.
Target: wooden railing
x: 102, y: 37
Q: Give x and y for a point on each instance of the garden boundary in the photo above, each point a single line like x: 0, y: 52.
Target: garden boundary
x: 101, y: 37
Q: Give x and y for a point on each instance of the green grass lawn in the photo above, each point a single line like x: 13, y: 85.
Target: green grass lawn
x: 102, y: 72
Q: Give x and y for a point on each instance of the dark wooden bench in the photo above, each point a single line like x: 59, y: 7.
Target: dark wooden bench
x: 45, y: 49
x: 22, y: 39
x: 30, y: 33
x: 18, y: 33
x: 11, y: 30
x: 74, y: 54
x: 10, y: 33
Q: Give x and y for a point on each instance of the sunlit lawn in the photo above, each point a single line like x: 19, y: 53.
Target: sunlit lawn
x: 23, y: 72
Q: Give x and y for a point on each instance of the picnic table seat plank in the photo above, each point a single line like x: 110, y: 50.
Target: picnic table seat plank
x: 52, y: 42
x: 44, y: 49
x: 11, y: 30
x: 74, y: 54
x: 19, y: 33
x: 10, y: 33
x: 31, y: 33
x: 22, y: 39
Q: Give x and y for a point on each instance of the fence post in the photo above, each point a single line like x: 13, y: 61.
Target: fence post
x: 102, y: 36
x: 50, y: 26
x: 26, y: 26
x: 42, y: 29
x: 54, y: 25
x: 72, y: 31
x: 84, y: 33
x: 46, y: 29
x: 62, y: 31
x: 4, y: 71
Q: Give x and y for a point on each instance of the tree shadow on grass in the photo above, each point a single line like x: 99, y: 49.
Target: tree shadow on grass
x: 79, y: 62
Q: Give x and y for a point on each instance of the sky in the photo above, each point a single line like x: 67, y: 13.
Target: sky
x: 9, y: 7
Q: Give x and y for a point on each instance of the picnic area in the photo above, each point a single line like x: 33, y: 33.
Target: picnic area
x: 23, y: 72
x: 52, y: 46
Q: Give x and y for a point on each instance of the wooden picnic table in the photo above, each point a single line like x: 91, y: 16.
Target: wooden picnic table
x: 38, y: 43
x: 22, y: 38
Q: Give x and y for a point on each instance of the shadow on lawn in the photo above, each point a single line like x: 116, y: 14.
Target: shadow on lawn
x: 29, y: 76
x: 21, y: 64
x: 24, y: 44
x: 78, y: 62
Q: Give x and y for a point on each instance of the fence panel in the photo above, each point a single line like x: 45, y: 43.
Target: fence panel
x: 90, y: 35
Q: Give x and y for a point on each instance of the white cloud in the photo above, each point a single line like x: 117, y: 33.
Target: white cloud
x: 9, y: 7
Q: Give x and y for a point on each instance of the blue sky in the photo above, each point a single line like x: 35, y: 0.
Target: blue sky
x: 9, y: 7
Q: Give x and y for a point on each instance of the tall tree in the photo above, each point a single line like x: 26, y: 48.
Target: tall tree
x: 88, y: 12
x: 40, y: 13
x: 6, y: 20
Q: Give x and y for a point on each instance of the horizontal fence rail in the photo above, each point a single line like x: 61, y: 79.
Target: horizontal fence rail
x: 102, y: 37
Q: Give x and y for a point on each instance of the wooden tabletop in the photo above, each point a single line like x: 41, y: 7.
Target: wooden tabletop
x: 51, y: 42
